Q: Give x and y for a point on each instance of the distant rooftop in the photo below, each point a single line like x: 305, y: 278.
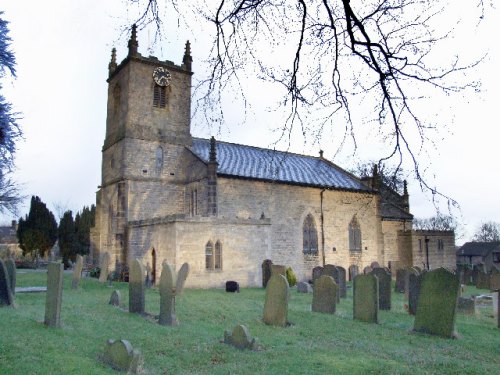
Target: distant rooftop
x: 478, y: 248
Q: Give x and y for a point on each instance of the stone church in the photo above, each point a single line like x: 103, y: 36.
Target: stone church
x: 224, y: 208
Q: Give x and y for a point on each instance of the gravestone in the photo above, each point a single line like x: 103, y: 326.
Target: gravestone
x: 475, y: 272
x: 136, y: 288
x: 116, y: 298
x: 495, y: 279
x: 496, y: 307
x: 342, y: 283
x: 6, y: 296
x: 266, y: 271
x: 408, y: 272
x: 374, y: 265
x: 316, y: 273
x: 325, y: 295
x: 400, y: 280
x: 437, y: 303
x: 418, y: 269
x: 466, y: 305
x: 77, y: 272
x: 240, y: 338
x: 482, y: 280
x: 276, y: 303
x: 353, y: 271
x: 279, y: 269
x: 10, y: 264
x: 331, y: 270
x: 121, y: 356
x: 414, y: 282
x: 232, y: 287
x: 303, y: 287
x: 104, y: 266
x: 365, y: 298
x: 367, y: 270
x: 384, y: 288
x: 468, y: 276
x: 171, y: 287
x: 53, y: 300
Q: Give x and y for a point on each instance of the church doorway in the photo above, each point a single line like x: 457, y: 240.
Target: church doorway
x: 153, y: 267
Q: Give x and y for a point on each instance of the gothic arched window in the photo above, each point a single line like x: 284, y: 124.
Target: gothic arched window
x: 218, y: 256
x: 354, y: 235
x: 310, y: 236
x: 209, y: 256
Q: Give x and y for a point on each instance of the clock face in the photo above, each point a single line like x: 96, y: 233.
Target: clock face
x: 162, y: 76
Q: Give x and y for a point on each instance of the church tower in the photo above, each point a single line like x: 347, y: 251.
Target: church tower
x: 147, y: 132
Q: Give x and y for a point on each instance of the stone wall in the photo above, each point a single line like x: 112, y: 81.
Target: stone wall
x: 445, y: 257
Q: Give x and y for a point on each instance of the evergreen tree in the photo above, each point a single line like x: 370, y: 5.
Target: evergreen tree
x: 83, y: 222
x: 37, y: 232
x: 67, y: 238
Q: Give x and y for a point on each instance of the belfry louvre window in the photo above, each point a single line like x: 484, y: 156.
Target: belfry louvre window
x: 159, y: 96
x: 354, y: 235
x: 310, y: 236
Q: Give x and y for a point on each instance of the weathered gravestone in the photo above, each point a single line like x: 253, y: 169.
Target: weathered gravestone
x: 495, y: 279
x: 104, y: 266
x: 468, y: 276
x: 400, y: 280
x: 6, y: 296
x: 53, y: 300
x: 77, y: 272
x: 367, y: 270
x: 266, y: 271
x: 437, y: 303
x: 353, y: 271
x: 475, y: 272
x: 316, y: 273
x: 232, y: 286
x: 374, y: 265
x: 303, y: 287
x: 466, y: 305
x: 482, y: 280
x: 276, y: 303
x: 342, y: 283
x: 10, y: 264
x: 136, y: 288
x: 240, y: 338
x: 365, y: 298
x: 408, y: 272
x: 121, y: 356
x: 171, y: 287
x: 414, y: 282
x: 325, y: 295
x: 332, y: 271
x: 496, y: 307
x: 384, y: 288
x: 116, y: 298
x: 278, y: 269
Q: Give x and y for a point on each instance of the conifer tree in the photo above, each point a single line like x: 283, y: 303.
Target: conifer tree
x: 67, y: 238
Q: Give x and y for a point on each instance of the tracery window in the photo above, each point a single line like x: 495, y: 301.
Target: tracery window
x: 310, y: 236
x: 218, y: 256
x: 354, y: 235
x: 209, y: 256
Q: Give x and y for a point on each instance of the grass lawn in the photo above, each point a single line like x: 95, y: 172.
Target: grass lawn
x: 314, y: 344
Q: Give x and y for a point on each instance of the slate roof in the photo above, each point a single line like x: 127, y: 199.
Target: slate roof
x: 478, y: 248
x: 277, y: 166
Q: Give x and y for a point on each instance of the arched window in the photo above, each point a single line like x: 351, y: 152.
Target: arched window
x: 218, y: 256
x: 160, y: 96
x: 354, y: 235
x: 209, y: 256
x: 310, y: 236
x: 159, y: 159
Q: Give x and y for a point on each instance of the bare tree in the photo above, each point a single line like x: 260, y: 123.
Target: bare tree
x: 487, y: 232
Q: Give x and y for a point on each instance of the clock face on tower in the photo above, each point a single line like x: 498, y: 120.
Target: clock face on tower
x: 162, y: 76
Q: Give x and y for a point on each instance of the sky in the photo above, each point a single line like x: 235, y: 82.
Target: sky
x: 63, y: 49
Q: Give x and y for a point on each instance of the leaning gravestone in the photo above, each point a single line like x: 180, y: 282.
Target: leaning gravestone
x: 103, y: 277
x: 77, y: 272
x: 10, y: 264
x: 414, y: 282
x: 482, y: 280
x: 495, y: 279
x: 325, y: 295
x: 342, y: 281
x: 316, y: 273
x: 276, y: 303
x: 303, y: 287
x: 136, y: 288
x: 54, y: 294
x: 365, y: 298
x: 353, y: 271
x: 266, y: 271
x: 6, y: 296
x: 240, y: 338
x: 121, y: 356
x: 384, y: 288
x: 170, y: 287
x: 437, y: 303
x: 116, y: 298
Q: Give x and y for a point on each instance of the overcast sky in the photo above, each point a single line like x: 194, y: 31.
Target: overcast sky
x: 63, y: 49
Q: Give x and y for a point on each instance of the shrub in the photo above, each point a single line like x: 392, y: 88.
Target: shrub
x: 290, y: 276
x: 95, y: 272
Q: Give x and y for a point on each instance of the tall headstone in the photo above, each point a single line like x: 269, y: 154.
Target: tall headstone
x: 342, y: 283
x: 170, y: 287
x: 77, y: 272
x: 104, y: 266
x: 414, y: 282
x: 136, y: 288
x: 276, y: 303
x: 437, y: 303
x: 400, y: 280
x: 384, y: 288
x: 495, y: 279
x: 353, y: 271
x: 316, y: 273
x: 332, y: 271
x: 325, y: 295
x: 365, y: 301
x: 408, y: 272
x: 266, y: 271
x: 53, y: 300
x: 10, y: 264
x: 6, y: 296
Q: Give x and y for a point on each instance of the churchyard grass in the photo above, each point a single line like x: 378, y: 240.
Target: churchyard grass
x: 314, y: 344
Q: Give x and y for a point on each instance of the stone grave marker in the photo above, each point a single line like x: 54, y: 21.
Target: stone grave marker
x: 342, y: 283
x: 353, y: 271
x: 116, y: 298
x: 324, y: 295
x: 331, y: 270
x: 414, y: 282
x: 437, y: 303
x: 279, y: 269
x: 316, y: 273
x: 10, y: 264
x: 495, y: 279
x: 367, y: 270
x: 303, y: 287
x: 365, y: 298
x: 232, y: 286
x: 400, y: 280
x: 496, y: 307
x: 6, y: 296
x: 53, y: 300
x: 240, y: 338
x: 482, y: 280
x: 266, y: 271
x: 136, y: 288
x: 374, y: 265
x: 409, y: 271
x: 384, y: 288
x: 104, y: 266
x: 276, y: 303
x: 171, y: 287
x: 120, y: 355
x: 77, y: 272
x: 468, y: 276
x: 466, y: 305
